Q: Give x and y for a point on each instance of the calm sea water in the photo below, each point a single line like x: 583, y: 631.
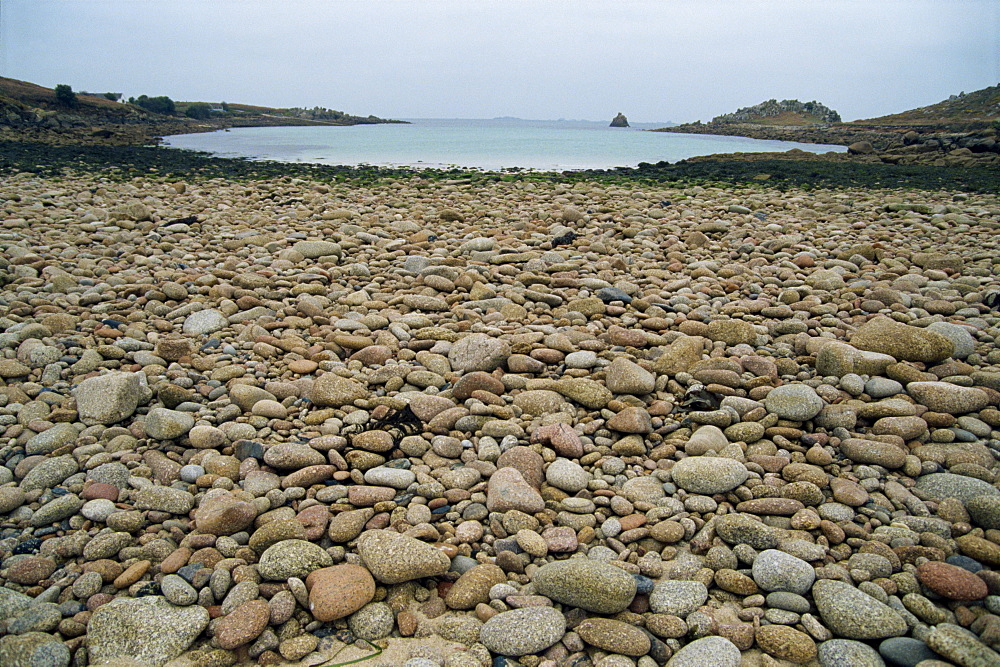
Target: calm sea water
x: 483, y: 144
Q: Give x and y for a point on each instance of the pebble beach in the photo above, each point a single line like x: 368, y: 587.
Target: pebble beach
x: 461, y: 422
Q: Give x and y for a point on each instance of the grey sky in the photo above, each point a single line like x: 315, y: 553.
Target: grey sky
x: 679, y: 60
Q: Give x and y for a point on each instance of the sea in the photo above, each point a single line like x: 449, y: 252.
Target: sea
x: 495, y: 145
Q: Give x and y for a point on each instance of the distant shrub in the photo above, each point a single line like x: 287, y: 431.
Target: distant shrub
x: 198, y: 110
x: 160, y: 104
x: 65, y: 95
x: 114, y: 97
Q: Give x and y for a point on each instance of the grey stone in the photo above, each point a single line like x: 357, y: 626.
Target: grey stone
x: 164, y: 499
x: 677, y: 597
x: 292, y: 558
x: 12, y: 603
x: 164, y: 424
x: 57, y: 509
x: 850, y: 613
x: 708, y: 475
x: 51, y: 439
x: 985, y: 511
x: 959, y: 336
x: 567, y: 475
x: 393, y: 558
x: 797, y: 402
x: 38, y: 617
x: 373, y: 621
x: 961, y: 646
x: 940, y: 485
x: 33, y: 649
x: 178, y: 591
x: 148, y: 629
x: 523, y: 631
x: 478, y: 352
x: 840, y: 652
x: 709, y: 651
x: 314, y: 249
x: 946, y: 397
x: 744, y: 529
x: 49, y: 473
x: 905, y: 651
x: 110, y: 398
x: 585, y: 583
x: 775, y: 570
x: 204, y: 322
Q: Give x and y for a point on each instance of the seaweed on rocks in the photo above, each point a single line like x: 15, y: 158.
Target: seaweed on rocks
x: 124, y: 162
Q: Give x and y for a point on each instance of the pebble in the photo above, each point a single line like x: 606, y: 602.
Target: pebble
x: 786, y: 643
x: 905, y: 651
x: 950, y: 581
x: 393, y: 558
x: 837, y: 652
x: 147, y: 629
x: 614, y: 636
x: 339, y: 591
x: 236, y: 430
x: 853, y: 614
x: 677, y: 597
x: 775, y: 570
x: 716, y: 651
x: 708, y: 474
x: 588, y: 584
x: 291, y: 558
x: 523, y: 631
x: 242, y: 625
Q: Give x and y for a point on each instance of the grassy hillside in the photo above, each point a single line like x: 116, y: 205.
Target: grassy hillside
x: 978, y: 108
x: 29, y: 112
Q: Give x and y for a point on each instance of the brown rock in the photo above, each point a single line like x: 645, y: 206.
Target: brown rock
x: 474, y: 586
x: 786, y: 643
x: 631, y: 420
x: 345, y: 526
x: 338, y: 591
x: 314, y: 519
x: 561, y: 437
x: 528, y: 462
x: 222, y: 513
x: 615, y: 636
x: 508, y: 490
x: 735, y: 582
x: 100, y: 490
x: 476, y: 381
x: 770, y: 506
x: 31, y: 570
x: 950, y: 581
x: 848, y: 492
x: 243, y: 625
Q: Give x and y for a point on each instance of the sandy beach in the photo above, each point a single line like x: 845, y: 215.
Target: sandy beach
x: 571, y: 423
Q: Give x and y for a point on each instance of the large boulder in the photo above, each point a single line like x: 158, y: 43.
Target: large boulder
x: 902, y: 341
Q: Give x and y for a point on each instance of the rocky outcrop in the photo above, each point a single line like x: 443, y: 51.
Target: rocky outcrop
x: 619, y: 121
x: 772, y: 108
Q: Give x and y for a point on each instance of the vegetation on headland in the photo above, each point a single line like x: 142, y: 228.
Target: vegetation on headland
x: 58, y: 131
x: 966, y: 120
x: 29, y: 112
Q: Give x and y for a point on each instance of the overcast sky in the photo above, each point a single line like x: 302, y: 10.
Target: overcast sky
x: 654, y: 60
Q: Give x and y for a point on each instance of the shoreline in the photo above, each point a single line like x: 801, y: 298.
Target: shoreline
x: 791, y: 169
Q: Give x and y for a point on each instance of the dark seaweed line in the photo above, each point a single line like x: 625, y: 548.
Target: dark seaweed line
x: 124, y: 162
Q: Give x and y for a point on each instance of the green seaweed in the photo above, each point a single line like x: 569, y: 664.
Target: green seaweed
x: 126, y: 162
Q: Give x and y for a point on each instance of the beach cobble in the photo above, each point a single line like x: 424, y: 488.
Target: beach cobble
x: 464, y: 418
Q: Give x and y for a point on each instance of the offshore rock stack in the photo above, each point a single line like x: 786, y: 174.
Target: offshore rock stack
x: 257, y: 421
x: 619, y: 121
